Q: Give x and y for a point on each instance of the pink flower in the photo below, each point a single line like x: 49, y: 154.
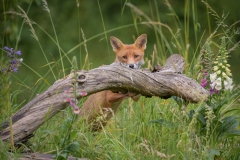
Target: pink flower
x: 83, y: 94
x: 204, y: 82
x: 213, y: 91
x: 67, y: 100
x: 68, y: 91
x: 76, y: 110
x: 75, y: 107
x: 72, y: 104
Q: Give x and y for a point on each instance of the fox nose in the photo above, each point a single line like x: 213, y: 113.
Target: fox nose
x: 131, y: 65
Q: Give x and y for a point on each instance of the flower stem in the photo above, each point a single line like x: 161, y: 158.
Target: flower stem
x: 10, y: 122
x: 11, y: 133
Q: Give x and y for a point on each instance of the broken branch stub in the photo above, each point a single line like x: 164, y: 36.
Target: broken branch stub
x: 165, y: 82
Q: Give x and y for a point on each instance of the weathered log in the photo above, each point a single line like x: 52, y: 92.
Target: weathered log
x: 39, y: 156
x: 167, y: 81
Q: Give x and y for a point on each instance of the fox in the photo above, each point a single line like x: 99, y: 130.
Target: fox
x: 98, y: 109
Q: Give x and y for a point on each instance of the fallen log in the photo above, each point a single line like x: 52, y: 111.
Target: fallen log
x: 165, y: 82
x: 39, y: 156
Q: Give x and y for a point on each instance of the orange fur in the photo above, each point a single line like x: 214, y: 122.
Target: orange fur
x: 100, y: 107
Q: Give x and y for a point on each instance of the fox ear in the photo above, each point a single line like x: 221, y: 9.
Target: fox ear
x: 141, y: 41
x: 116, y: 43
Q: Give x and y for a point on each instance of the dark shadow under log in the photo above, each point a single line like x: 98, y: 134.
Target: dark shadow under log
x: 167, y: 81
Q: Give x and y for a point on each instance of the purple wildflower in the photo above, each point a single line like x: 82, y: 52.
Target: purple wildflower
x: 9, y: 54
x: 14, y: 61
x: 18, y: 53
x: 213, y: 91
x: 72, y: 103
x: 5, y: 48
x: 15, y: 69
x: 11, y: 51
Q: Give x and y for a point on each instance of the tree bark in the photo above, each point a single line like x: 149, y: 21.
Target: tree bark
x: 165, y: 82
x: 39, y: 156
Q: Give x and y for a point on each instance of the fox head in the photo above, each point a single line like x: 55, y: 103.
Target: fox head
x: 130, y: 54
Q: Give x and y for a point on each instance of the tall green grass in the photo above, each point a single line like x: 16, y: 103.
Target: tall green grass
x: 152, y: 128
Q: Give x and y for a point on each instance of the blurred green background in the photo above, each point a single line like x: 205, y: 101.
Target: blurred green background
x: 92, y: 16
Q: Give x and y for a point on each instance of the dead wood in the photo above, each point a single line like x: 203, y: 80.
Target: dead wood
x: 165, y: 82
x: 39, y: 156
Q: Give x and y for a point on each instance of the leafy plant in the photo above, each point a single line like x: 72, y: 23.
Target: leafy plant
x: 217, y: 117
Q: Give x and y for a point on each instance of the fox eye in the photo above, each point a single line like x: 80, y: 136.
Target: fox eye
x: 135, y: 56
x: 124, y: 57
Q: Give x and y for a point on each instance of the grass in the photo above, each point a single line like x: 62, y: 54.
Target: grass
x: 118, y: 136
x: 152, y: 128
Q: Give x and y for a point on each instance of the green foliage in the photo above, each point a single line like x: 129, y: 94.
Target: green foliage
x: 151, y: 128
x: 218, y: 122
x: 4, y: 88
